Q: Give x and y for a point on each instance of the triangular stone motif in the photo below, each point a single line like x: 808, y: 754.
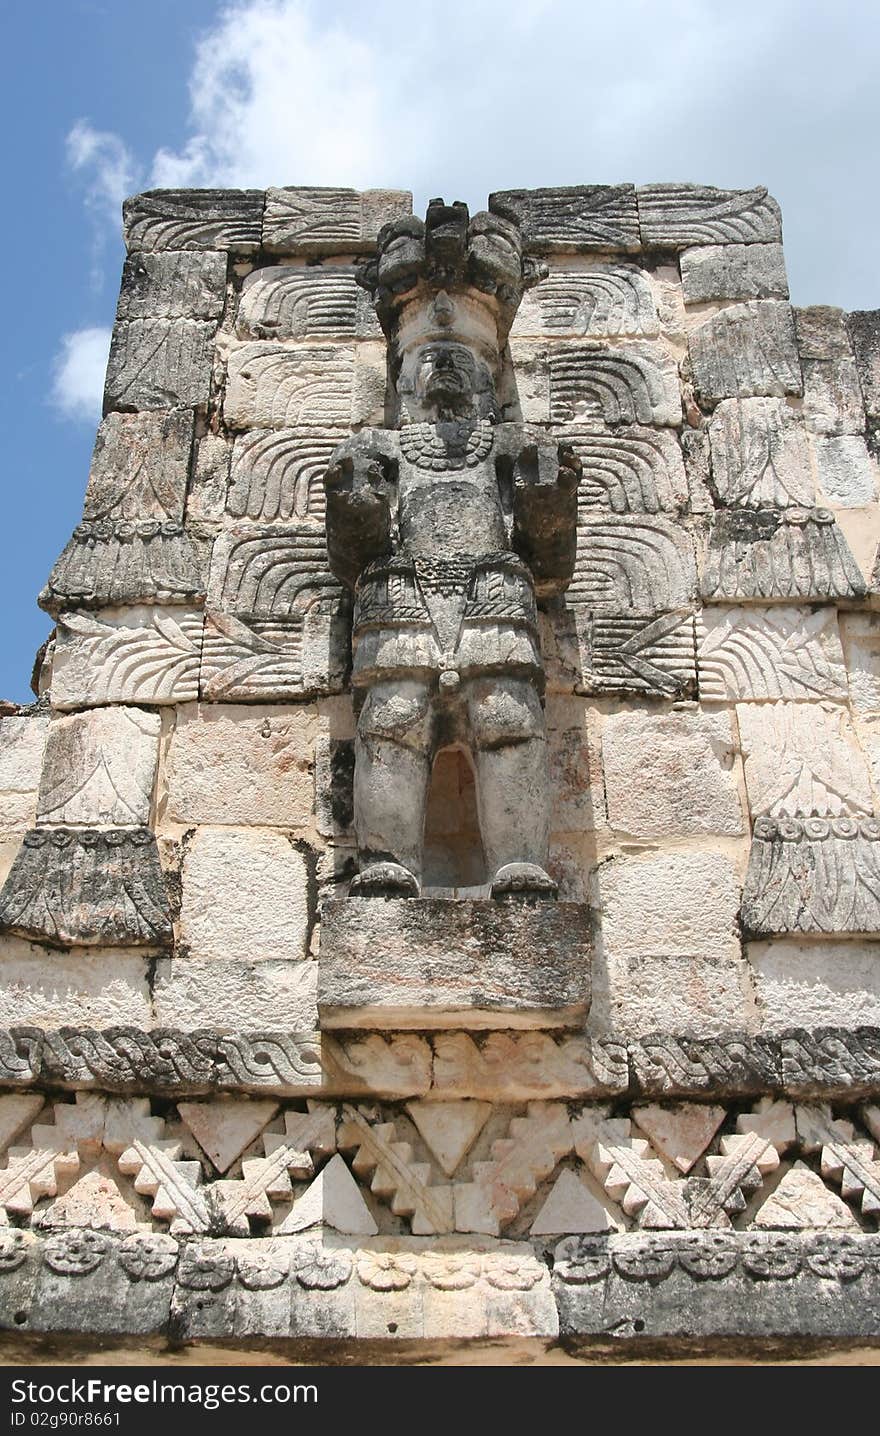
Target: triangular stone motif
x: 802, y: 1201
x: 17, y: 1111
x: 96, y: 1201
x: 333, y: 1199
x: 570, y: 1207
x: 449, y: 1129
x: 680, y: 1133
x: 224, y: 1130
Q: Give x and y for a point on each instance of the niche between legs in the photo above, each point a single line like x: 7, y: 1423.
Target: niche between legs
x: 454, y: 863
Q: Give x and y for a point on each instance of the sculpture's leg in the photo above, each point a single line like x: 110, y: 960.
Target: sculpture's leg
x: 393, y: 750
x: 509, y: 741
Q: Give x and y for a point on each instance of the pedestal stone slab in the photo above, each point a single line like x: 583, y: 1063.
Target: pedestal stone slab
x: 427, y: 963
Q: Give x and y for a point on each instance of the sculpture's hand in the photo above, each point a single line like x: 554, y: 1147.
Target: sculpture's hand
x: 546, y: 476
x: 570, y: 468
x: 359, y: 488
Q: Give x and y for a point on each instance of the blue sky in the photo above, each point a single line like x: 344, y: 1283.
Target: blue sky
x: 106, y: 97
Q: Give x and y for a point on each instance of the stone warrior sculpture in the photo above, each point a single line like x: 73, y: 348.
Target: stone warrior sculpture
x: 447, y: 529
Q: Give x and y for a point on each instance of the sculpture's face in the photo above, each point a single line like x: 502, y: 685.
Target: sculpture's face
x: 495, y: 251
x: 445, y: 379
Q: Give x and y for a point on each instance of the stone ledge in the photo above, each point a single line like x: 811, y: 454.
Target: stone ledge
x: 422, y: 963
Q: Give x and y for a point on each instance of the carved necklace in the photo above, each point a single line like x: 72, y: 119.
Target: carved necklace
x: 427, y: 446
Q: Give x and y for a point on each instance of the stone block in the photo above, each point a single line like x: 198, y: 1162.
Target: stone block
x: 22, y: 741
x: 51, y: 989
x: 194, y: 219
x: 599, y: 301
x: 275, y: 386
x: 760, y: 456
x: 813, y: 875
x: 194, y: 993
x: 648, y: 654
x: 746, y: 349
x: 279, y: 473
x: 832, y: 396
x: 707, y: 992
x: 733, y: 271
x: 803, y: 758
x: 680, y: 215
x: 572, y: 218
x: 159, y: 364
x: 100, y: 768
x: 577, y: 794
x: 136, y: 654
x: 426, y: 963
x: 87, y: 887
x: 245, y: 898
x: 864, y: 332
x: 822, y: 333
x: 304, y: 302
x: 663, y: 905
x: 760, y: 653
x: 140, y: 466
x: 312, y: 221
x: 861, y: 643
x: 816, y: 984
x: 105, y: 564
x: 671, y: 774
x: 778, y: 554
x: 172, y: 285
x: 632, y: 564
x: 636, y: 383
x: 243, y: 765
x: 634, y: 469
x: 206, y: 498
x: 846, y: 472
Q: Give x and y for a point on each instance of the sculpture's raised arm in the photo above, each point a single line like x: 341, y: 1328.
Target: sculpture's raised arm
x: 543, y: 476
x: 359, y: 485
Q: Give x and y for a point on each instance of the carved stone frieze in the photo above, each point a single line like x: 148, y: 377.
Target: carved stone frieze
x: 105, y: 564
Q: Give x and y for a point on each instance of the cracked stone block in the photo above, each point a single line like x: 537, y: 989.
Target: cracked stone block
x: 779, y: 554
x: 827, y: 984
x: 245, y: 897
x: 243, y: 765
x: 140, y: 466
x: 135, y: 654
x: 746, y: 349
x: 313, y: 221
x: 760, y: 456
x: 599, y: 300
x: 159, y: 364
x: 22, y: 741
x: 680, y: 215
x: 861, y: 644
x: 832, y: 396
x: 572, y: 218
x: 813, y: 875
x: 733, y: 271
x: 672, y: 774
x: 100, y: 768
x: 277, y: 996
x: 427, y: 963
x: 194, y: 219
x: 175, y: 285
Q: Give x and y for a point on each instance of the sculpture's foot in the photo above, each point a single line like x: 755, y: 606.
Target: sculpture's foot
x: 388, y: 880
x: 523, y: 880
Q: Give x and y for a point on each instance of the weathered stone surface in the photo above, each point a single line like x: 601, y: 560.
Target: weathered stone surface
x: 329, y: 221
x: 172, y: 285
x: 864, y: 332
x: 685, y: 214
x: 523, y: 1066
x: 127, y: 563
x: 802, y: 1201
x: 426, y: 963
x: 861, y: 644
x: 832, y: 396
x: 278, y: 619
x: 681, y: 1133
x: 708, y: 991
x: 602, y: 301
x: 206, y: 498
x: 135, y: 654
x: 634, y: 469
x: 636, y: 383
x: 733, y: 271
x: 846, y: 472
x: 760, y: 457
x: 755, y: 653
x: 649, y: 654
x: 315, y: 301
x: 194, y: 219
x: 575, y: 769
x: 746, y: 349
x: 571, y: 1207
x: 192, y: 993
x: 22, y: 741
x: 671, y: 774
x: 159, y: 364
x: 41, y: 988
x: 243, y: 766
x: 273, y: 386
x: 100, y: 768
x: 449, y: 1129
x: 803, y: 758
x: 776, y: 553
x: 667, y: 904
x: 814, y: 874
x: 816, y: 985
x: 279, y: 473
x: 224, y: 1129
x: 632, y: 564
x: 140, y: 466
x: 573, y: 218
x: 822, y: 333
x: 245, y: 897
x: 332, y: 1200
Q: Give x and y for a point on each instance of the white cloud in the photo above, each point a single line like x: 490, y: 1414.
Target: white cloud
x: 106, y: 163
x: 78, y: 373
